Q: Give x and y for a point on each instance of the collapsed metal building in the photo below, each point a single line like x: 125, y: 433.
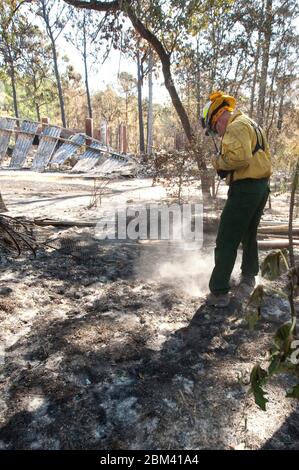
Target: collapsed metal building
x: 83, y: 153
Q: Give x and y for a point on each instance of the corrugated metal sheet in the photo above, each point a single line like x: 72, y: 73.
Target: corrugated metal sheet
x: 107, y: 166
x: 96, y: 156
x: 112, y: 163
x: 68, y: 149
x: 23, y: 144
x: 6, y: 127
x: 46, y: 147
x: 89, y: 159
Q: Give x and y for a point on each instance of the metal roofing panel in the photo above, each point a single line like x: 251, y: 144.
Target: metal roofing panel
x: 89, y: 159
x: 68, y: 149
x: 46, y: 147
x: 23, y: 144
x: 6, y: 127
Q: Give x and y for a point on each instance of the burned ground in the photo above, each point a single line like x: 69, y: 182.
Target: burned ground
x: 106, y: 347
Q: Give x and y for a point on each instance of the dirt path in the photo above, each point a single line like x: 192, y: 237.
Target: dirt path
x: 109, y: 345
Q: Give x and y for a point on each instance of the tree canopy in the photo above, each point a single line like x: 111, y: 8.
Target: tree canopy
x: 247, y: 48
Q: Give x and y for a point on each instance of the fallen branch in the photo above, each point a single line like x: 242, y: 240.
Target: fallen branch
x: 64, y: 223
x: 278, y: 229
x: 276, y: 243
x: 15, y: 235
x: 279, y: 235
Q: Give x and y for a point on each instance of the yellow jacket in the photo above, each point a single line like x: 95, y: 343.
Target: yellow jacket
x: 237, y: 146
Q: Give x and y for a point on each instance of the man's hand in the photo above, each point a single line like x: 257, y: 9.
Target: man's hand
x: 223, y: 173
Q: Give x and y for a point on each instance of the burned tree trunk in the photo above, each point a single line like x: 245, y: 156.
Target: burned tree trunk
x: 2, y: 205
x: 267, y: 27
x: 45, y: 15
x: 149, y: 146
x: 140, y: 111
x: 86, y: 69
x: 14, y: 90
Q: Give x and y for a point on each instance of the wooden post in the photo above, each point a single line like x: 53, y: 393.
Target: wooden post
x: 108, y: 136
x: 120, y: 138
x: 124, y: 146
x: 45, y: 122
x: 104, y: 132
x: 89, y: 129
x: 98, y: 134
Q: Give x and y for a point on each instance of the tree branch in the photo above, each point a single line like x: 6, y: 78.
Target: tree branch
x: 15, y: 11
x: 125, y: 7
x: 96, y: 5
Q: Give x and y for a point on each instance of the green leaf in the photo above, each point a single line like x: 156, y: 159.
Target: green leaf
x: 282, y: 340
x: 253, y: 307
x: 274, y: 365
x: 252, y: 318
x: 257, y: 376
x: 259, y: 397
x: 283, y: 333
x: 294, y: 393
x: 273, y: 265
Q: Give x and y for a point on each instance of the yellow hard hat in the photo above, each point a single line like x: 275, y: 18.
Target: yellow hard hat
x: 218, y: 103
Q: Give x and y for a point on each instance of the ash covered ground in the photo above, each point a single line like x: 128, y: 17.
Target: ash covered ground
x: 109, y: 345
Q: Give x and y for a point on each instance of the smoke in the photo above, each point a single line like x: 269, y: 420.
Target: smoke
x: 183, y: 266
x: 189, y: 271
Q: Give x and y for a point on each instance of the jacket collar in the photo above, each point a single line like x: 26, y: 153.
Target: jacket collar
x: 234, y: 116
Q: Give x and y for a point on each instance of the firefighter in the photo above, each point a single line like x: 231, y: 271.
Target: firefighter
x: 244, y: 160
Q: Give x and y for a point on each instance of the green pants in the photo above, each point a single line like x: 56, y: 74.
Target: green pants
x: 238, y: 224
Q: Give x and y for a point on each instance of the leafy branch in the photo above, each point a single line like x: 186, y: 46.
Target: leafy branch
x: 285, y: 349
